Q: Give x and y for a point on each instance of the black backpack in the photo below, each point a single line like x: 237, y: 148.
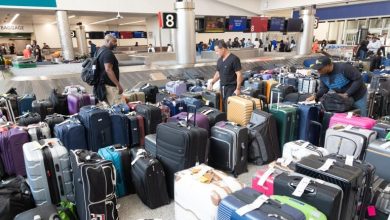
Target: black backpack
x: 90, y: 72
x: 333, y: 102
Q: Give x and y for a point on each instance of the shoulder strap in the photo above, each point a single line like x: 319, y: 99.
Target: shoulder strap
x: 101, y: 50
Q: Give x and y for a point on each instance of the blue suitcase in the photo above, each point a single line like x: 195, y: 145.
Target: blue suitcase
x: 268, y: 211
x: 25, y: 103
x: 175, y: 106
x: 120, y: 157
x: 309, y: 125
x: 121, y: 108
x: 120, y: 129
x: 72, y: 134
x: 193, y: 101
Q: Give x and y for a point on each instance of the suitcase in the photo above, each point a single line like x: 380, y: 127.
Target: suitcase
x: 263, y: 144
x: 97, y: 125
x: 254, y: 83
x: 270, y: 84
x: 93, y: 201
x: 11, y: 101
x: 175, y: 106
x: 72, y: 134
x: 60, y: 102
x: 182, y: 152
x: 381, y: 197
x: 11, y: 147
x: 309, y: 211
x: 43, y: 108
x: 130, y: 96
x: 195, y: 95
x: 150, y: 144
x: 229, y: 148
x: 193, y: 101
x: 39, y: 131
x: 199, y: 190
x: 382, y: 128
x: 25, y: 103
x: 136, y: 129
x: 214, y: 115
x: 53, y: 120
x: 263, y: 179
x: 378, y: 154
x: 344, y: 118
x: 309, y: 125
x: 202, y: 120
x: 120, y: 157
x: 346, y: 140
x: 229, y: 206
x: 44, y: 212
x: 289, y: 81
x: 164, y: 94
x: 296, y: 150
x: 282, y: 90
x: 7, y: 110
x: 213, y: 99
x: 28, y: 119
x: 74, y: 89
x: 15, y: 196
x: 240, y: 108
x: 165, y: 112
x: 149, y: 179
x: 251, y: 92
x: 120, y: 129
x: 349, y: 178
x: 150, y: 92
x: 294, y: 98
x: 176, y: 87
x: 121, y: 108
x: 76, y: 101
x: 152, y: 117
x: 48, y: 171
x: 307, y: 85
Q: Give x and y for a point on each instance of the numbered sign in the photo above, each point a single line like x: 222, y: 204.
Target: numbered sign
x: 168, y: 20
x: 72, y: 34
x: 316, y: 23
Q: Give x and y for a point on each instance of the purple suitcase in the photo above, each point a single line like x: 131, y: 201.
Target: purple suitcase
x: 202, y: 120
x: 77, y: 100
x: 266, y: 76
x: 176, y: 87
x: 11, y: 150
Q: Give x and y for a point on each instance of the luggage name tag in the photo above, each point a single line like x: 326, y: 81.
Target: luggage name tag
x: 254, y: 205
x: 298, y: 192
x: 207, y: 102
x: 349, y: 160
x: 371, y: 211
x: 349, y: 115
x: 328, y: 163
x: 284, y: 162
x: 265, y: 176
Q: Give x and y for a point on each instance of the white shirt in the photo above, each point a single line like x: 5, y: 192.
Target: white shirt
x: 169, y: 49
x: 151, y: 50
x: 257, y: 44
x: 374, y: 46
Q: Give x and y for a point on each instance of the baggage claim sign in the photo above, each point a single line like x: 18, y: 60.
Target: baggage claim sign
x: 30, y: 3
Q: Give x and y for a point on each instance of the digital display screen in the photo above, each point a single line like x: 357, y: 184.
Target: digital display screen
x: 237, y: 23
x: 139, y: 34
x: 214, y: 24
x: 126, y: 34
x: 277, y: 24
x: 259, y: 24
x: 95, y: 35
x: 294, y: 25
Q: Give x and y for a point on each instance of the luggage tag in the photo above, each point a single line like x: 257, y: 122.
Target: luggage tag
x: 265, y: 176
x: 371, y: 211
x: 328, y: 163
x: 254, y: 205
x: 349, y: 160
x: 298, y: 192
x: 284, y: 162
x: 349, y: 115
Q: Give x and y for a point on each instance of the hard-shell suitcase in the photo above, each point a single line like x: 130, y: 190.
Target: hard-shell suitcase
x: 43, y: 108
x: 193, y: 101
x: 263, y: 179
x: 381, y: 197
x: 346, y: 140
x: 309, y: 211
x: 282, y: 90
x: 296, y: 150
x: 152, y: 117
x: 176, y: 106
x: 378, y: 154
x: 382, y: 128
x: 97, y: 125
x: 240, y: 108
x: 251, y: 92
x: 213, y: 99
x: 43, y: 212
x: 229, y: 148
x: 39, y: 131
x: 149, y: 179
x: 120, y: 157
x: 72, y: 134
x: 11, y: 147
x: 164, y: 94
x: 344, y: 118
x: 93, y: 201
x: 269, y: 86
x: 214, y: 115
x: 349, y: 178
x: 263, y: 144
x: 76, y: 101
x: 150, y: 92
x: 25, y: 103
x: 176, y: 87
x: 289, y: 81
x: 231, y: 204
x: 202, y: 120
x: 309, y: 125
x: 48, y: 171
x: 60, y: 102
x: 136, y: 129
x: 120, y: 129
x: 130, y: 96
x: 28, y: 119
x: 53, y: 120
x: 150, y: 144
x: 307, y: 85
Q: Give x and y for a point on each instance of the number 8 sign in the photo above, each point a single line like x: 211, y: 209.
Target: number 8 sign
x: 169, y: 20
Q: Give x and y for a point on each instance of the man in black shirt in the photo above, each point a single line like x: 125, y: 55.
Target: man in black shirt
x: 342, y: 78
x: 228, y: 72
x: 108, y: 65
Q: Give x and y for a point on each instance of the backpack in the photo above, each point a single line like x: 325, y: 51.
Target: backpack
x: 333, y: 102
x: 90, y: 72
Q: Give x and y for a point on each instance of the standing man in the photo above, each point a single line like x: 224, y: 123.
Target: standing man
x: 109, y: 68
x: 342, y: 78
x: 12, y: 49
x: 228, y: 72
x: 93, y: 48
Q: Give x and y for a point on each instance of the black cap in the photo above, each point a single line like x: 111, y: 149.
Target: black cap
x: 321, y: 62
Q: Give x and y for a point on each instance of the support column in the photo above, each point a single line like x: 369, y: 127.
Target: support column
x: 306, y: 39
x: 64, y: 32
x: 185, y: 51
x: 173, y: 39
x: 81, y: 40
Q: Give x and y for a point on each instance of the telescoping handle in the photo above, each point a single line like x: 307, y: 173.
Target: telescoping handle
x: 189, y: 107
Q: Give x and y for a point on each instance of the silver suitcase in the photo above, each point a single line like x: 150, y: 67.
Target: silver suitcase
x: 307, y: 85
x: 378, y: 154
x: 39, y: 131
x: 296, y: 150
x: 150, y: 144
x: 48, y: 171
x: 348, y: 140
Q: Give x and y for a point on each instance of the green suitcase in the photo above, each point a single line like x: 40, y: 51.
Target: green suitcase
x: 309, y: 211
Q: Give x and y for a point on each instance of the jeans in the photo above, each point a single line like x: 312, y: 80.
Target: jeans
x: 362, y: 105
x: 362, y: 55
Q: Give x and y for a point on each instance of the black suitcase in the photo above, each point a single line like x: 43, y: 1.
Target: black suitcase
x: 45, y: 212
x: 213, y: 114
x: 152, y: 116
x: 120, y: 129
x: 213, y: 99
x: 43, y: 108
x: 195, y: 95
x: 52, y: 120
x: 255, y: 93
x: 28, y: 119
x: 97, y: 123
x: 149, y: 179
x: 179, y: 147
x: 150, y: 144
x: 150, y: 92
x: 94, y: 183
x: 283, y: 90
x: 13, y: 99
x: 60, y: 102
x: 349, y: 178
x: 134, y: 135
x: 263, y: 144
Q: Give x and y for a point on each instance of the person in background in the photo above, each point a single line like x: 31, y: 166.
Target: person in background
x: 136, y: 44
x: 315, y: 47
x: 93, y: 48
x: 382, y: 39
x: 229, y: 43
x: 274, y: 44
x: 228, y: 72
x: 211, y: 45
x: 151, y: 49
x: 376, y: 61
x: 169, y: 48
x: 236, y: 43
x: 323, y: 44
x: 282, y: 46
x: 342, y: 78
x: 292, y: 43
x: 12, y: 49
x: 3, y: 50
x: 38, y: 54
x: 361, y: 52
x: 33, y: 46
x: 374, y: 45
x: 242, y: 42
x: 27, y: 52
x: 45, y: 46
x: 256, y: 43
x: 249, y: 44
x: 267, y: 45
x: 200, y: 47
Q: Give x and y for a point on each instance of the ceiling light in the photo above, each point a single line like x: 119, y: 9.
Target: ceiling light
x: 14, y: 18
x: 72, y: 16
x: 134, y: 22
x: 102, y: 21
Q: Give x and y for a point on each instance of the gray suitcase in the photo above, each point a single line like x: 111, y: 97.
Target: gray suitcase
x: 39, y: 131
x: 150, y: 144
x: 347, y: 140
x: 48, y: 171
x: 381, y: 195
x: 378, y: 154
x: 307, y: 85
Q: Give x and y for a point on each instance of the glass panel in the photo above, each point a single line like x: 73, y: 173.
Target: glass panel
x: 362, y: 23
x: 387, y: 22
x: 375, y: 23
x: 352, y: 24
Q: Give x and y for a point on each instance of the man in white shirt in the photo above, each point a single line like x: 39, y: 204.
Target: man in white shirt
x: 151, y: 49
x: 257, y: 43
x: 383, y: 43
x: 374, y: 45
x: 249, y: 43
x: 169, y: 48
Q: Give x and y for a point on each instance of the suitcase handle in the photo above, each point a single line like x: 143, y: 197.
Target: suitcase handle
x: 194, y: 112
x: 293, y: 184
x: 317, y: 124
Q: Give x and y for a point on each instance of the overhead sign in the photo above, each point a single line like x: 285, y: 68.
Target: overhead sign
x: 29, y: 3
x: 73, y: 34
x: 316, y: 20
x: 259, y: 24
x: 167, y: 20
x: 16, y: 28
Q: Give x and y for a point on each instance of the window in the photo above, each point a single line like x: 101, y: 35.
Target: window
x: 353, y: 24
x: 387, y: 22
x: 375, y: 23
x: 362, y: 23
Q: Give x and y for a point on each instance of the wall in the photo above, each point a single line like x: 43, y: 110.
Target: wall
x: 322, y: 31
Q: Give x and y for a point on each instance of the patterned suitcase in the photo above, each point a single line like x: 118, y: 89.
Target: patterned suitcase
x: 240, y: 108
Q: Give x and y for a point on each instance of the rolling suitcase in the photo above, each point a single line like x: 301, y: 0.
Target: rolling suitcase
x: 195, y: 95
x: 6, y: 110
x: 347, y: 119
x: 269, y: 86
x: 130, y: 96
x: 307, y: 85
x: 97, y: 125
x: 25, y: 103
x: 263, y: 144
x: 43, y: 108
x: 176, y: 87
x: 121, y: 108
x: 53, y: 120
x: 76, y: 101
x: 309, y: 211
x: 43, y: 212
x: 193, y: 101
x: 381, y: 198
x: 48, y: 171
x: 202, y: 120
x: 164, y: 94
x: 213, y: 99
x: 60, y: 102
x: 39, y: 131
x: 120, y: 129
x: 72, y: 134
x: 11, y: 101
x: 93, y: 201
x: 240, y: 108
x: 264, y: 178
x: 282, y: 90
x: 296, y: 150
x: 214, y: 115
x: 309, y: 125
x: 152, y: 117
x: 378, y: 154
x: 120, y: 157
x: 175, y: 105
x: 150, y: 144
x: 382, y: 128
x: 136, y: 129
x: 28, y: 119
x: 149, y: 179
x: 229, y: 148
x: 150, y: 92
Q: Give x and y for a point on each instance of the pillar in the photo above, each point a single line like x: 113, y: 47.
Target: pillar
x: 306, y: 39
x: 185, y: 40
x: 82, y: 40
x: 173, y: 39
x: 64, y: 32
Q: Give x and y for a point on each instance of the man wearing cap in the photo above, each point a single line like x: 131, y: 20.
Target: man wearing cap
x: 342, y: 78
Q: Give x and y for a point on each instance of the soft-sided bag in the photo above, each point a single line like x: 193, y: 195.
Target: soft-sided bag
x: 90, y: 72
x: 333, y: 102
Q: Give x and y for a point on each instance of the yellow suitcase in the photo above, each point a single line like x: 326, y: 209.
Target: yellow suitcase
x: 270, y: 83
x: 240, y: 108
x: 128, y: 96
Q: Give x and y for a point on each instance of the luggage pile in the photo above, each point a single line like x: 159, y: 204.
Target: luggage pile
x: 176, y: 143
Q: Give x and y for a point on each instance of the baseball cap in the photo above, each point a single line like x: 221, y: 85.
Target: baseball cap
x: 321, y: 62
